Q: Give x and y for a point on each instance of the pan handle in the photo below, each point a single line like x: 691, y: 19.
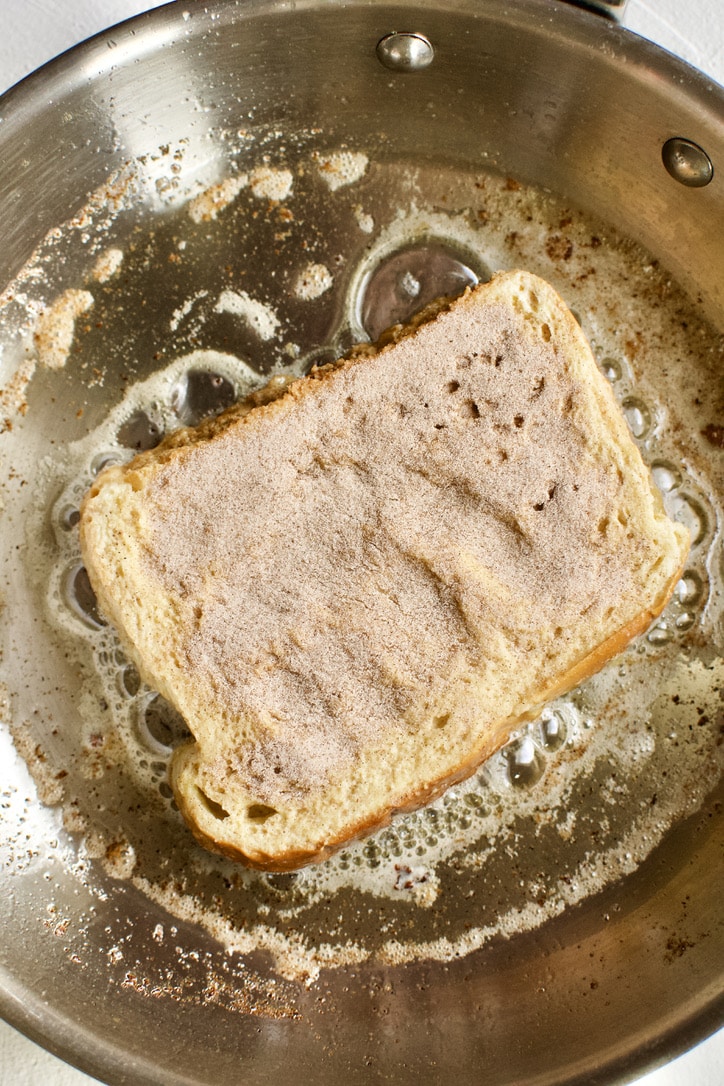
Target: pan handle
x: 611, y: 9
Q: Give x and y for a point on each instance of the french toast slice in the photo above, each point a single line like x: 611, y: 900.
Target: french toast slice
x: 355, y: 592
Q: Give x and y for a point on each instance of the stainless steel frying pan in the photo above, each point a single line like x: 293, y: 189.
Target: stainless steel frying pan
x: 533, y: 956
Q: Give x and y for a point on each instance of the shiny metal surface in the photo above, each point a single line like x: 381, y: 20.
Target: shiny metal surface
x: 687, y: 162
x: 614, y: 9
x: 622, y: 979
x: 401, y: 51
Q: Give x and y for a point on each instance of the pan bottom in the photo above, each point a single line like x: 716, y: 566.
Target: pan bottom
x: 266, y: 272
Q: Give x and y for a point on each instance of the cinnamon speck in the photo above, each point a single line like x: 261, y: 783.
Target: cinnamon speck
x: 714, y: 434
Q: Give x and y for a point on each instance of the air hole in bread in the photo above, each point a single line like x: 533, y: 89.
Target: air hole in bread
x: 545, y: 332
x: 519, y: 420
x: 498, y: 361
x: 622, y: 517
x: 603, y: 525
x: 538, y: 387
x: 453, y: 386
x: 502, y: 454
x: 439, y: 425
x: 442, y: 720
x: 212, y: 806
x: 259, y: 812
x: 470, y: 410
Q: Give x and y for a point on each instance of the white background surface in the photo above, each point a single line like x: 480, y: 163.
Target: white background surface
x: 33, y: 31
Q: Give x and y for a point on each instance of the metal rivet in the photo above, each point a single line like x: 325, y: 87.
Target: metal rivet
x: 402, y: 51
x: 687, y: 162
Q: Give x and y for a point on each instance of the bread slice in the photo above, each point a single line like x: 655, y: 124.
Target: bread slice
x: 354, y: 593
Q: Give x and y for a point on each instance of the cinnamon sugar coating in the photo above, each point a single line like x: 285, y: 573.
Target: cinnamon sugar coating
x: 413, y: 546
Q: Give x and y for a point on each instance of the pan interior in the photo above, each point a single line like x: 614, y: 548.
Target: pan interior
x: 157, y: 321
x: 571, y: 876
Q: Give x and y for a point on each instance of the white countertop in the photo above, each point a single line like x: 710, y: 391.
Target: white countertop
x: 33, y: 31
